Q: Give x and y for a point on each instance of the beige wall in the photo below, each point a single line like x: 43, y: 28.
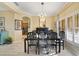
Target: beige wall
x: 34, y: 22
x: 50, y: 22
x: 18, y: 33
x: 9, y: 22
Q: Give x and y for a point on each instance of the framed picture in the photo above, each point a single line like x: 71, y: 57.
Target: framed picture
x: 2, y: 29
x: 2, y: 22
x: 17, y: 24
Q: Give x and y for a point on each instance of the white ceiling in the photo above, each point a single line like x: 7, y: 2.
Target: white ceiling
x: 34, y: 8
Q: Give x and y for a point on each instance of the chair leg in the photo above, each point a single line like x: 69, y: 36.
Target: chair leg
x: 63, y: 45
x: 56, y: 49
x: 36, y: 50
x: 28, y: 50
x: 25, y: 46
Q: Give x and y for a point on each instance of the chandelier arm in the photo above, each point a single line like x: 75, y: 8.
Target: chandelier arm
x: 43, y: 15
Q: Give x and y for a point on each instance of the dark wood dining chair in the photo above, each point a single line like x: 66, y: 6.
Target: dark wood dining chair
x: 43, y: 44
x: 62, y: 37
x: 31, y: 42
x: 52, y: 36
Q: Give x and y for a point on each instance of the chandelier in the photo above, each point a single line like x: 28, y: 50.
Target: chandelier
x: 42, y: 15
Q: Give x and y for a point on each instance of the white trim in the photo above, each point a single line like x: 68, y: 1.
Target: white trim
x: 58, y: 26
x: 73, y: 21
x: 66, y: 27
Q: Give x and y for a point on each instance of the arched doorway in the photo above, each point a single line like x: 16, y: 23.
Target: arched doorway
x: 25, y: 25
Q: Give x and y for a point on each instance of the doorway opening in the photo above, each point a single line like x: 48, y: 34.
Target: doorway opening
x: 25, y: 23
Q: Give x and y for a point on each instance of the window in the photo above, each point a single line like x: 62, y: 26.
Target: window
x: 70, y: 32
x: 76, y: 34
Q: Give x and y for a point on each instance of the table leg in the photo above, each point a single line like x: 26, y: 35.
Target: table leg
x: 38, y: 48
x: 25, y: 45
x: 56, y: 48
x: 59, y: 45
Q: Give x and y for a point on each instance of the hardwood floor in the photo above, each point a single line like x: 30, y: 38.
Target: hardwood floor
x: 16, y: 49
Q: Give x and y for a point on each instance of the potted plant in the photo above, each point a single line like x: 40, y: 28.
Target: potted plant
x: 8, y: 40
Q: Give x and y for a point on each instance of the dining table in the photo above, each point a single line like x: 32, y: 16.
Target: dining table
x: 26, y: 44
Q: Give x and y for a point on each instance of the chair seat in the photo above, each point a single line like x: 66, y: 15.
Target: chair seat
x: 60, y: 41
x: 52, y: 44
x: 32, y: 44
